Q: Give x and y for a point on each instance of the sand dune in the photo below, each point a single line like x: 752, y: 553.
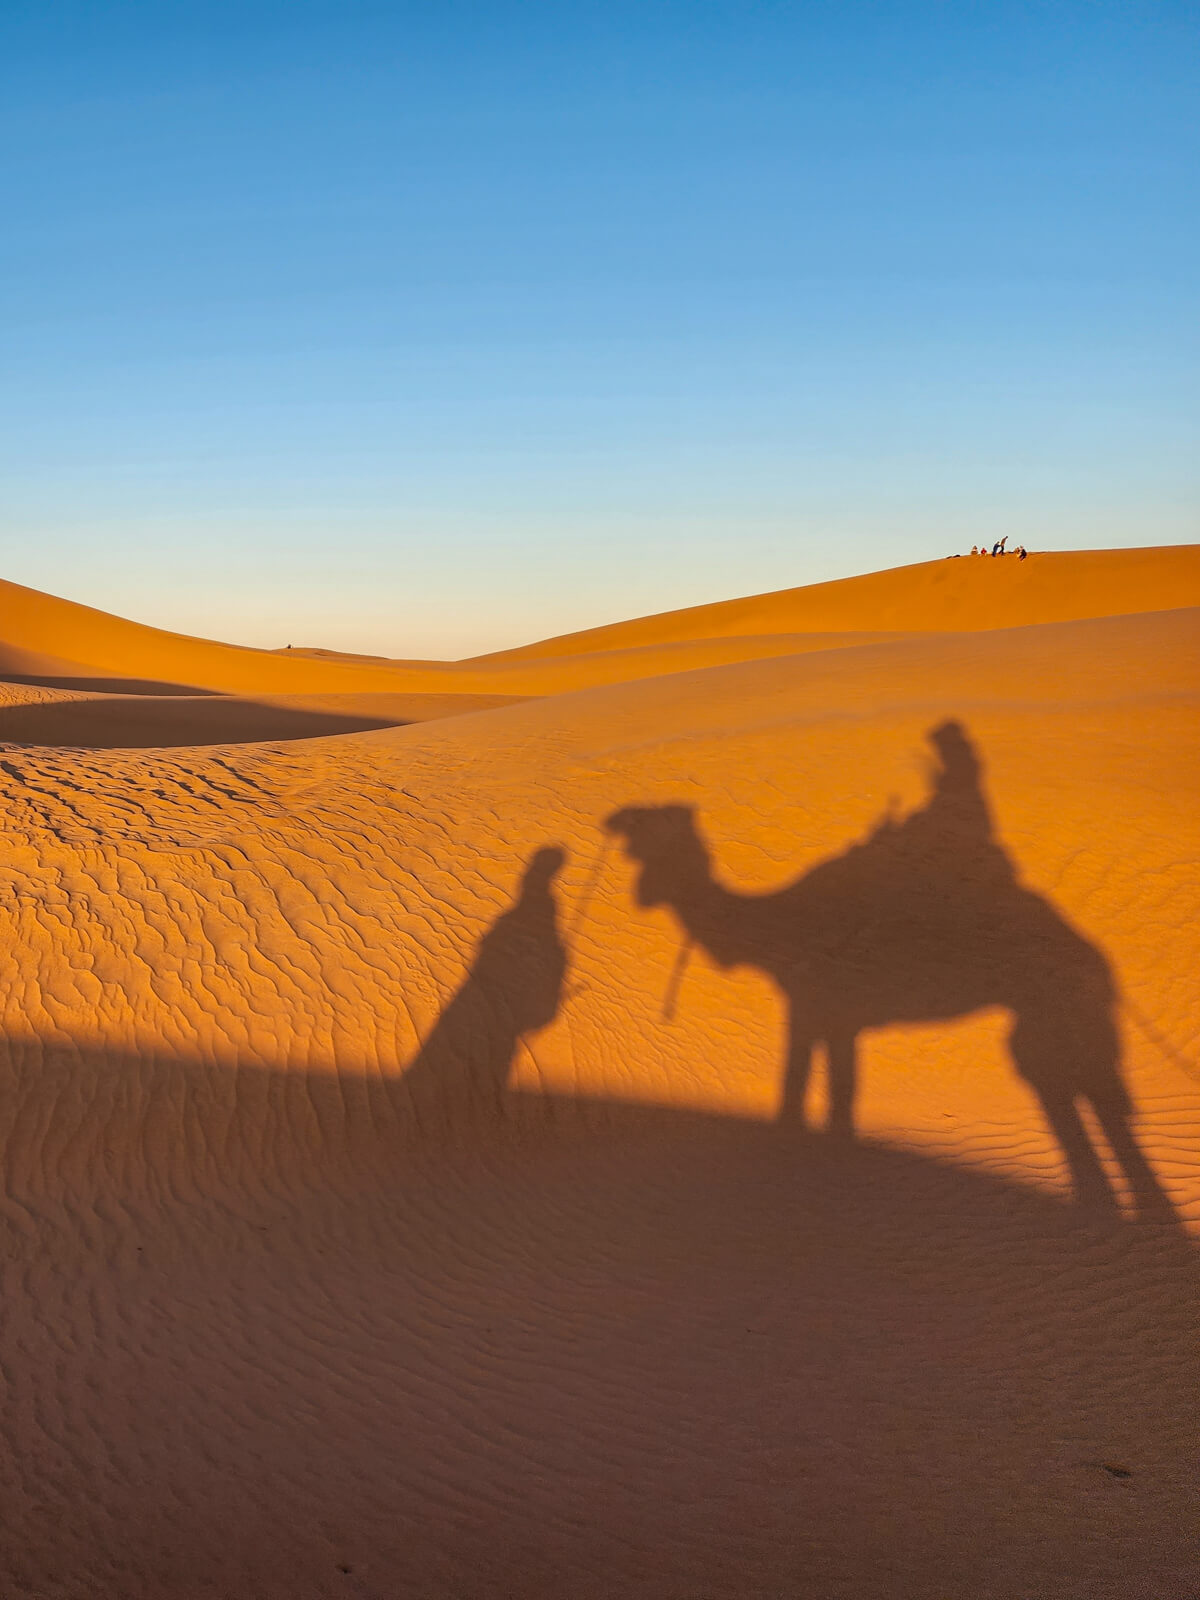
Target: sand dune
x: 43, y: 638
x: 955, y: 595
x: 729, y: 1131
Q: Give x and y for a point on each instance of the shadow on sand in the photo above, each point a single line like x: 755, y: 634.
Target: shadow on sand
x: 160, y: 721
x: 597, y: 1349
x: 46, y: 680
x: 924, y: 920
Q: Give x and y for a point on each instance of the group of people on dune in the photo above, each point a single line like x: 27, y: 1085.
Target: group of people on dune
x: 998, y: 549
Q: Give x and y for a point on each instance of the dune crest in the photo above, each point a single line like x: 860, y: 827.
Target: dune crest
x: 958, y: 594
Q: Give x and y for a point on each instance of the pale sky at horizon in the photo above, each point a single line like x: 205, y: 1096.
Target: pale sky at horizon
x: 426, y: 330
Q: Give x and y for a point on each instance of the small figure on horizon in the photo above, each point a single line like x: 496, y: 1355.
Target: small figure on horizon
x: 974, y: 549
x: 1021, y: 552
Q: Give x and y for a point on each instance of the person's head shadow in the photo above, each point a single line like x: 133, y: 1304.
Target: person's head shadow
x: 923, y: 920
x: 514, y: 987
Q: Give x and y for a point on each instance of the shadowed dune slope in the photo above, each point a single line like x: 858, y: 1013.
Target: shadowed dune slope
x: 727, y: 1134
x: 33, y: 714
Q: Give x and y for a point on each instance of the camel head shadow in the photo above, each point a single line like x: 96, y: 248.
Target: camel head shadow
x: 924, y: 919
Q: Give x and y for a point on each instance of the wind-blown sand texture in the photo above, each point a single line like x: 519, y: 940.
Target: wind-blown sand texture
x: 706, y: 1107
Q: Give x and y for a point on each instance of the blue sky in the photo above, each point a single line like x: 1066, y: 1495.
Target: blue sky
x: 427, y: 329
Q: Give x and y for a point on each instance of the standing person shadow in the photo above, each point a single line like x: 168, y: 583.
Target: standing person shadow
x: 923, y: 920
x: 514, y: 987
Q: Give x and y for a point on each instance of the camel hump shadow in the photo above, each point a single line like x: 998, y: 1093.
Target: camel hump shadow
x: 923, y: 920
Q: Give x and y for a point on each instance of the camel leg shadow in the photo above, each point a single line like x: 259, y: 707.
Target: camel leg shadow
x: 1065, y: 1071
x: 796, y: 1075
x: 842, y: 1053
x: 1088, y: 1178
x: 842, y: 1069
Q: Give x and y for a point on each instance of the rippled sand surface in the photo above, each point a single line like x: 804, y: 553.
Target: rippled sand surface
x: 703, y: 1108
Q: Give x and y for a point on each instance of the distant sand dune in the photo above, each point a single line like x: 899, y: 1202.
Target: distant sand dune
x: 395, y: 1202
x: 955, y: 595
x: 937, y: 596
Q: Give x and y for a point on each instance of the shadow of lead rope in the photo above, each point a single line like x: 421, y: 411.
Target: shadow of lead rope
x: 589, y: 889
x: 675, y: 981
x: 583, y: 905
x: 671, y: 996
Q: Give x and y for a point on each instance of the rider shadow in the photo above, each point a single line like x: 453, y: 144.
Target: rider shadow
x: 924, y: 920
x: 514, y: 987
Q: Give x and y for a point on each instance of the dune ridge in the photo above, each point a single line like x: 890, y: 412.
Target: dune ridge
x: 954, y: 595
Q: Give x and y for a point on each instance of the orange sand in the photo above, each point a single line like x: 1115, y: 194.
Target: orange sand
x: 389, y: 1209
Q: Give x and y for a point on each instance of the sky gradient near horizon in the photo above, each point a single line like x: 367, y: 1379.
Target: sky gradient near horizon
x: 431, y: 329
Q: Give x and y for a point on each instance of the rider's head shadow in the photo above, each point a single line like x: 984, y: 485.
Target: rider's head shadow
x: 923, y: 920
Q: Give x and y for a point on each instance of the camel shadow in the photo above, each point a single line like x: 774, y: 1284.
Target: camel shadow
x: 923, y: 920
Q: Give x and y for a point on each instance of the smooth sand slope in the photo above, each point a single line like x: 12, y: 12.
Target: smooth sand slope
x: 730, y: 1133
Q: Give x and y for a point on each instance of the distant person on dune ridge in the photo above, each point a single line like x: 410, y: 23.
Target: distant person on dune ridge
x: 974, y: 549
